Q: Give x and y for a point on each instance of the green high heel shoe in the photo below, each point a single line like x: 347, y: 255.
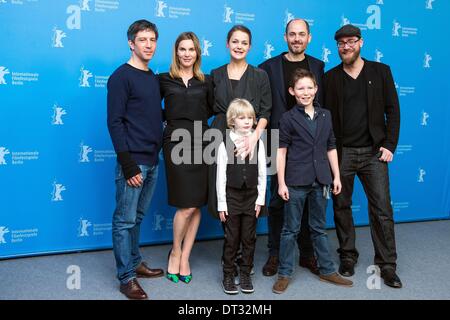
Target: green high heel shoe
x: 185, y: 279
x: 174, y: 277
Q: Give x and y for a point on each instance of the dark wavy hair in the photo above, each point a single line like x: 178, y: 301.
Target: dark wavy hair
x: 141, y: 25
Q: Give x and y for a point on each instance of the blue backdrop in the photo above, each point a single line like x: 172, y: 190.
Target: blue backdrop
x: 56, y: 158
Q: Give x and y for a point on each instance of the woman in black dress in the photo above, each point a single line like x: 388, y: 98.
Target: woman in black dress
x: 238, y: 79
x: 188, y: 99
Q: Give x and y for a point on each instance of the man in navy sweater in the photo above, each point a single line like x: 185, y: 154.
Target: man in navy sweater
x: 135, y: 126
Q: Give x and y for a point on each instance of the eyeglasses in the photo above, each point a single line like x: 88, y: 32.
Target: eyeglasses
x: 351, y: 43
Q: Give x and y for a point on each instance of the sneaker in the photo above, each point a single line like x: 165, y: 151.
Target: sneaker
x: 246, y: 283
x: 280, y: 285
x: 228, y: 284
x: 336, y: 279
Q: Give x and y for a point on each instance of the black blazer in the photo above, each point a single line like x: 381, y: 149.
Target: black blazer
x: 307, y: 158
x: 382, y: 101
x: 254, y: 86
x: 274, y: 69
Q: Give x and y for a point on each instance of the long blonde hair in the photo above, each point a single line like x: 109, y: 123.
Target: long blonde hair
x: 175, y: 65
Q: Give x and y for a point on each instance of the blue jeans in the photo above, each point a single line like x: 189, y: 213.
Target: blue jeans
x: 275, y: 224
x: 131, y: 205
x: 293, y: 212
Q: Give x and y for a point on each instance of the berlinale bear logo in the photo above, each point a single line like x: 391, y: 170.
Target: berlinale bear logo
x: 3, y: 231
x: 3, y: 153
x: 3, y: 72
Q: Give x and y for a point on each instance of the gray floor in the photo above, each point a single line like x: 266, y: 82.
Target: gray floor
x: 423, y: 262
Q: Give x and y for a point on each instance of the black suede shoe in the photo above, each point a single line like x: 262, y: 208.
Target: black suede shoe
x: 391, y: 279
x: 271, y: 266
x: 309, y: 263
x: 347, y: 268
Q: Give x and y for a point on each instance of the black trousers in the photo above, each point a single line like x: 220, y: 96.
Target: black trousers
x: 374, y: 177
x: 240, y: 229
x: 275, y: 223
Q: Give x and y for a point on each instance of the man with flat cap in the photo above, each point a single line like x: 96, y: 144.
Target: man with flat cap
x: 363, y: 101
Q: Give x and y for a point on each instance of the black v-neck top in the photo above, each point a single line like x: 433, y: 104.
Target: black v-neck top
x: 355, y: 116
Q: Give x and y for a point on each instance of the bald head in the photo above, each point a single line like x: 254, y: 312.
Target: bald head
x: 297, y: 21
x: 297, y: 37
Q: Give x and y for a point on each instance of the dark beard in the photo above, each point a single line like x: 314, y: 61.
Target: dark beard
x: 350, y: 60
x: 294, y: 52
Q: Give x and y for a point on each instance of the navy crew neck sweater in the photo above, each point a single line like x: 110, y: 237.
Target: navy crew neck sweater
x: 134, y: 117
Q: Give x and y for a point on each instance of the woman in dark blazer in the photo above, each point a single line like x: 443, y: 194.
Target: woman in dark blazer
x: 188, y: 99
x: 238, y: 79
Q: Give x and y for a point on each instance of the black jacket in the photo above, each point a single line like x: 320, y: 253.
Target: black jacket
x: 382, y: 101
x: 307, y: 156
x: 274, y: 69
x: 254, y: 86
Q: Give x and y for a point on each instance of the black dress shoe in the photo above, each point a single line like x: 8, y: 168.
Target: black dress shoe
x: 391, y: 279
x: 309, y: 263
x: 271, y: 267
x: 143, y: 271
x: 347, y: 268
x: 132, y: 290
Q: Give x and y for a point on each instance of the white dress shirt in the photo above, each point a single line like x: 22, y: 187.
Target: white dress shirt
x: 221, y: 181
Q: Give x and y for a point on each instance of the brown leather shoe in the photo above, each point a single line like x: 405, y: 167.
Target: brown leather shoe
x: 336, y: 279
x: 143, y: 271
x: 309, y: 263
x: 280, y: 285
x: 271, y: 267
x: 133, y: 290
